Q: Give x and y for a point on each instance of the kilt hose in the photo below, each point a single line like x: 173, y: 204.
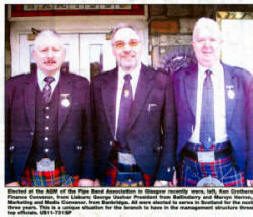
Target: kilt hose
x: 55, y: 178
x: 224, y: 169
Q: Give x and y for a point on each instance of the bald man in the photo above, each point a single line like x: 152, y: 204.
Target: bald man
x: 47, y: 113
x: 214, y: 104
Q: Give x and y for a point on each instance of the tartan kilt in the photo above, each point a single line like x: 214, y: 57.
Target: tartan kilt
x: 113, y: 167
x: 56, y: 178
x: 223, y: 169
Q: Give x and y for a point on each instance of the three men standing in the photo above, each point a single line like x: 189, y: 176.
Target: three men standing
x: 137, y: 113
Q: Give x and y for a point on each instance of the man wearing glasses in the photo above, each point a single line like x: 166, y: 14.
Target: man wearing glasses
x: 133, y: 118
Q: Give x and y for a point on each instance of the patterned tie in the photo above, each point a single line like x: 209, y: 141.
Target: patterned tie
x: 207, y: 135
x: 124, y: 110
x: 47, y: 89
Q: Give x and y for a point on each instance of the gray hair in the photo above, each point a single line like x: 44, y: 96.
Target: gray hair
x: 124, y: 26
x: 47, y: 34
x: 206, y: 23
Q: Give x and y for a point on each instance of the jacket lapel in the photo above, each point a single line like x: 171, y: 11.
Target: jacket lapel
x: 109, y: 90
x: 231, y: 89
x: 65, y: 92
x: 190, y: 88
x: 144, y: 86
x: 29, y: 92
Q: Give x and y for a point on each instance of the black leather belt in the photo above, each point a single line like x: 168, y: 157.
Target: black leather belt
x: 217, y: 154
x: 219, y: 146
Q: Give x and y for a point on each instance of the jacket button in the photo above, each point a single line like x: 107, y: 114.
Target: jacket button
x: 78, y: 148
x: 111, y: 143
x: 158, y: 149
x: 31, y: 133
x: 11, y: 148
x: 46, y: 150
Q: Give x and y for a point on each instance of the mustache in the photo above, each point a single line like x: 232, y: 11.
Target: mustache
x: 50, y: 61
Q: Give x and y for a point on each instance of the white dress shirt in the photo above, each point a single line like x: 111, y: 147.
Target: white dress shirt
x: 134, y: 81
x: 40, y: 79
x: 219, y: 104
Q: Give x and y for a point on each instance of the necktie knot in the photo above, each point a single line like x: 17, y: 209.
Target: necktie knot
x: 127, y: 77
x: 49, y: 79
x: 208, y: 72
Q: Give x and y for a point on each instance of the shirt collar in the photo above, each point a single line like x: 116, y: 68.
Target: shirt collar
x: 215, y: 68
x: 135, y: 73
x: 41, y: 75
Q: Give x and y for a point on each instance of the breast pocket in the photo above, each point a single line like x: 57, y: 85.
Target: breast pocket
x: 152, y: 107
x: 153, y: 111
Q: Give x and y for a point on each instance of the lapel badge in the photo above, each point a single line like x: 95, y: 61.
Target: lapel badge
x: 230, y: 91
x: 65, y: 101
x: 126, y: 93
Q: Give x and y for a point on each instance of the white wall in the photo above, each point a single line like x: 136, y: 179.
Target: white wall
x: 238, y: 43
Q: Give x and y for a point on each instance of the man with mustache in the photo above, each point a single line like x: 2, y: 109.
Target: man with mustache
x: 214, y: 104
x: 47, y: 122
x: 133, y: 118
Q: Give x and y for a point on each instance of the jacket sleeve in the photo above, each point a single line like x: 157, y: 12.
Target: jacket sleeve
x: 249, y: 118
x: 9, y: 174
x: 87, y: 136
x: 167, y: 160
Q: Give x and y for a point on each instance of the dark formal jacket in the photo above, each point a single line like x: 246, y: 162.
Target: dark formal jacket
x: 151, y: 130
x: 74, y: 125
x: 239, y: 111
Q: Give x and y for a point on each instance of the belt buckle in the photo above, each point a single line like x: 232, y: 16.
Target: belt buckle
x: 209, y: 182
x: 45, y: 165
x: 206, y: 156
x: 126, y: 158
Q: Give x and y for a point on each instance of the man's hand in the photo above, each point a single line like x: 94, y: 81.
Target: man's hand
x: 85, y: 183
x: 250, y: 183
x: 162, y: 183
x: 13, y: 184
x: 97, y: 183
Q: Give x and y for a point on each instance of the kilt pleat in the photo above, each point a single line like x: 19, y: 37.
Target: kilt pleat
x: 56, y: 178
x: 222, y: 169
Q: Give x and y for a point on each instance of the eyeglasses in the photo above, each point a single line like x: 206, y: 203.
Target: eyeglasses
x: 121, y: 44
